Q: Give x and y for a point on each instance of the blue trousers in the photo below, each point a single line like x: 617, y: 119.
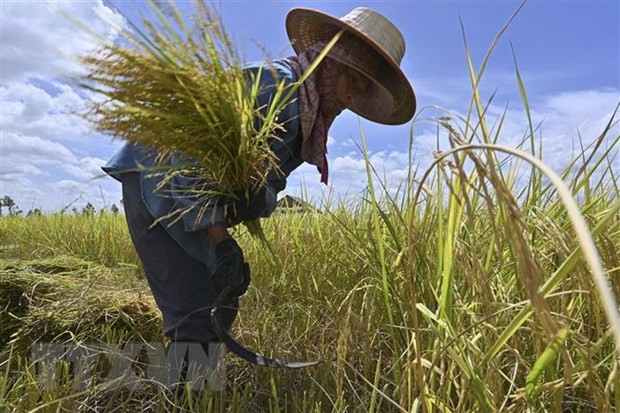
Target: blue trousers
x: 181, y: 285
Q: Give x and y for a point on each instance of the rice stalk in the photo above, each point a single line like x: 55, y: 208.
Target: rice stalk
x: 584, y: 235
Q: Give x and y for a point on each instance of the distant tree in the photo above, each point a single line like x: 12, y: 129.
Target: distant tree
x: 34, y: 213
x: 88, y: 209
x: 11, y: 206
x: 7, y: 202
x: 114, y: 209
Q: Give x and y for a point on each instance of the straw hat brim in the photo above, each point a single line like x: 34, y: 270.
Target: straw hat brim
x: 391, y: 99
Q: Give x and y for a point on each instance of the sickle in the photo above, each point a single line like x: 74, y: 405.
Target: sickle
x: 244, y: 353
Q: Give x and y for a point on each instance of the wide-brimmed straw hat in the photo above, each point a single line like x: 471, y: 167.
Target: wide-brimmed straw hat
x: 370, y: 44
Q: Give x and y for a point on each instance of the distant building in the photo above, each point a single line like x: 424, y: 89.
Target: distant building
x: 291, y: 203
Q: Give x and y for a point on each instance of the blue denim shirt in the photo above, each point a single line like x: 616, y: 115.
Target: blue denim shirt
x: 190, y: 230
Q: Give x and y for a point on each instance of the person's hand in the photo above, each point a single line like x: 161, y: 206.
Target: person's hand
x: 251, y: 206
x: 232, y: 272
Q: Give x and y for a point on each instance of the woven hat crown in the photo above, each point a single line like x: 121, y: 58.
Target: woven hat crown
x: 371, y: 44
x: 379, y: 29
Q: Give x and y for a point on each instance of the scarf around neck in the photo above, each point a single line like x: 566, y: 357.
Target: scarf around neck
x: 318, y: 105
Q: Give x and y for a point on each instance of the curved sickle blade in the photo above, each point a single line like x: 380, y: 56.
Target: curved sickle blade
x: 247, y: 354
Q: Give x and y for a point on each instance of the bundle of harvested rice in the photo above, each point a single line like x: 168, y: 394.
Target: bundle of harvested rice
x: 28, y: 284
x: 66, y: 299
x: 180, y: 88
x: 111, y: 317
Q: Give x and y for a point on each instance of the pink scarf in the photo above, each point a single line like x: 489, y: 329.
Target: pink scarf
x: 318, y: 106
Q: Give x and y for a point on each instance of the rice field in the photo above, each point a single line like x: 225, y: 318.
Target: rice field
x: 485, y: 283
x: 468, y: 291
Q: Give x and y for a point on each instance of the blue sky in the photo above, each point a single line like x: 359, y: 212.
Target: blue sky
x: 568, y: 54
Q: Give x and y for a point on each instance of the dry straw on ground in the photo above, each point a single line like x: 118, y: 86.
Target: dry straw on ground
x: 69, y: 299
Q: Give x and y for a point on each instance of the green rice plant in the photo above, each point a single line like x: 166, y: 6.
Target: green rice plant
x: 101, y: 238
x: 335, y: 308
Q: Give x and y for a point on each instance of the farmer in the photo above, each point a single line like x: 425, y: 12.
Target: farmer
x: 189, y: 262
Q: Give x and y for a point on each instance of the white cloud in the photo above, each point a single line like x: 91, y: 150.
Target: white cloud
x: 349, y: 143
x: 87, y: 168
x: 24, y: 191
x: 49, y: 114
x: 37, y: 41
x: 330, y: 140
x: 32, y: 172
x: 348, y: 177
x: 349, y: 164
x: 383, y: 162
x: 44, y: 141
x: 34, y: 149
x: 584, y: 104
x: 563, y: 117
x: 70, y: 190
x: 11, y: 171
